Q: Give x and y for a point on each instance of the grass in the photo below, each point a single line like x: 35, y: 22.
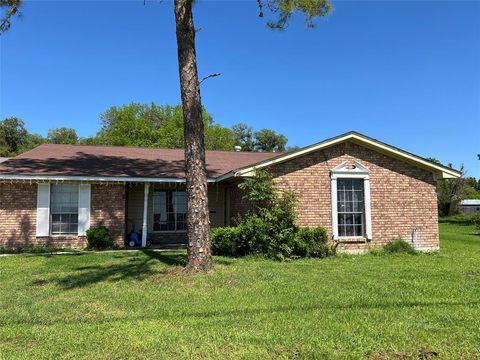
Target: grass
x: 139, y: 304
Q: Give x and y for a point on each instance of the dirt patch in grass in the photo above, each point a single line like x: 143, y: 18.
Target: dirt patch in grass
x: 427, y: 353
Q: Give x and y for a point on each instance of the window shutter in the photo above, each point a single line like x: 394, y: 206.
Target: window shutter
x: 84, y: 192
x: 43, y: 210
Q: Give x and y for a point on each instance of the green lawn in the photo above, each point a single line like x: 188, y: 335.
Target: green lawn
x: 141, y: 305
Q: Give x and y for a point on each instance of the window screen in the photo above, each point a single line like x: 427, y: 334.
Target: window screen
x: 64, y: 209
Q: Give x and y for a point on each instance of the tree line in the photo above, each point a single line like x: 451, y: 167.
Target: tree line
x: 146, y: 125
x: 450, y: 192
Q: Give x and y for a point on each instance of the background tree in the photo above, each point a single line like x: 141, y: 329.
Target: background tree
x: 243, y: 136
x: 269, y: 140
x: 133, y: 124
x: 151, y: 125
x: 472, y: 188
x: 13, y: 136
x: 218, y: 137
x: 62, y: 135
x: 450, y: 191
x: 32, y: 141
x: 292, y: 148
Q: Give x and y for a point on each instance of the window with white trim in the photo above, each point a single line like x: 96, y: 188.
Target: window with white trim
x: 350, y: 207
x: 169, y: 210
x: 351, y: 203
x: 64, y: 209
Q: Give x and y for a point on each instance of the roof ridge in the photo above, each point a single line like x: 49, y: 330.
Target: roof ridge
x: 147, y: 148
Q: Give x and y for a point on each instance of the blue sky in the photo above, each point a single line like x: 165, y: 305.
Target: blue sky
x: 404, y: 72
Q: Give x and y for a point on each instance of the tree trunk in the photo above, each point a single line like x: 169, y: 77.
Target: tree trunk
x: 198, y: 222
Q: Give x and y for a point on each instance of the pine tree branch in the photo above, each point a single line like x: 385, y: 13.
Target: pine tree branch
x: 210, y: 76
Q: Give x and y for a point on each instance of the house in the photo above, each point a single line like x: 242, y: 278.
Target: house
x: 470, y: 206
x: 365, y: 192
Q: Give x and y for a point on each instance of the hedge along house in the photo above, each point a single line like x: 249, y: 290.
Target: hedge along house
x: 366, y: 193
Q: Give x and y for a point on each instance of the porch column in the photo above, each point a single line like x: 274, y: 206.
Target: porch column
x: 145, y: 214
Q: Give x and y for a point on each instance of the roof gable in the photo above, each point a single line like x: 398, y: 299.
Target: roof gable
x: 115, y: 163
x: 442, y: 172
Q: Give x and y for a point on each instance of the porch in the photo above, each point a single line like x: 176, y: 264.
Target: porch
x: 158, y: 212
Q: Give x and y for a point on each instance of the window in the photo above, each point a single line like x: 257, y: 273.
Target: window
x: 169, y: 210
x: 350, y: 207
x: 351, y: 203
x: 64, y: 209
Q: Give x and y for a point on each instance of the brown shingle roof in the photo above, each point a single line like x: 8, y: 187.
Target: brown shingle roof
x: 112, y: 161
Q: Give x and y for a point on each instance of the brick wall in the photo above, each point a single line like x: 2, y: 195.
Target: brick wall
x: 403, y: 197
x: 18, y: 207
x: 18, y: 215
x: 108, y: 209
x: 238, y: 206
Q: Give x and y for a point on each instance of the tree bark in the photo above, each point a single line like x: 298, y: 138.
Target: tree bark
x: 198, y: 222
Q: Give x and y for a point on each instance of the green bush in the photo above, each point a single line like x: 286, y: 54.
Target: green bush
x: 399, y: 246
x: 225, y: 241
x: 255, y: 236
x: 269, y: 229
x: 311, y: 242
x: 99, y: 238
x: 476, y: 221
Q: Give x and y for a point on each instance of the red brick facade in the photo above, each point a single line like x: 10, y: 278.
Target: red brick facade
x: 108, y: 209
x: 403, y: 197
x: 403, y: 202
x: 18, y: 215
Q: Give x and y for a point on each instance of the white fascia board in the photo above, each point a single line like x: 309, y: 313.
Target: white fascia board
x: 95, y: 179
x: 445, y: 175
x: 306, y: 150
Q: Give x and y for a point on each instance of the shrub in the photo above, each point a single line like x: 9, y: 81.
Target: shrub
x: 269, y: 229
x: 225, y: 241
x: 259, y: 190
x: 99, y: 238
x: 311, y: 242
x: 255, y: 236
x: 399, y: 246
x: 476, y: 221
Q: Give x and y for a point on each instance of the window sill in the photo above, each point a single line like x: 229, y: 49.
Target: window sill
x: 352, y: 239
x: 64, y: 236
